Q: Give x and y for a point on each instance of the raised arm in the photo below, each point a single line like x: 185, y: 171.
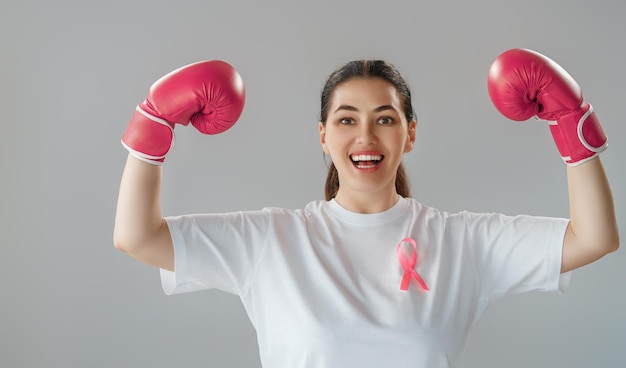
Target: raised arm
x: 210, y: 95
x: 140, y: 229
x: 522, y: 84
x: 592, y: 231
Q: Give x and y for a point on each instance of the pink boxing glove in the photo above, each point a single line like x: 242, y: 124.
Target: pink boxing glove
x: 523, y: 83
x: 208, y: 94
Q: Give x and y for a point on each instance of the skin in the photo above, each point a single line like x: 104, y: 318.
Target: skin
x: 140, y: 229
x: 365, y: 116
x: 592, y: 231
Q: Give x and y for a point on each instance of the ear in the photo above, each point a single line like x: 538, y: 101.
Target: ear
x: 322, y: 129
x: 411, y: 139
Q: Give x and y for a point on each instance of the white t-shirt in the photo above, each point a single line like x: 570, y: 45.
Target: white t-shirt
x: 321, y: 285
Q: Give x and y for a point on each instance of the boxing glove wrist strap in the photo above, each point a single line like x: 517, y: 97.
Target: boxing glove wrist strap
x: 148, y: 138
x: 578, y: 136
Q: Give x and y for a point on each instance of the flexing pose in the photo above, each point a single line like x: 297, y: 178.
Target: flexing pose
x: 368, y: 277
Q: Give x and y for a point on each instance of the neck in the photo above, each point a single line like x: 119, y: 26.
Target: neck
x: 367, y: 202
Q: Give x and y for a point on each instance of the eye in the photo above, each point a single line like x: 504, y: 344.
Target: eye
x: 385, y: 120
x: 346, y: 121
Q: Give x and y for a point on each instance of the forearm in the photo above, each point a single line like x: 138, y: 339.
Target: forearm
x: 593, y: 230
x: 523, y: 83
x: 138, y: 216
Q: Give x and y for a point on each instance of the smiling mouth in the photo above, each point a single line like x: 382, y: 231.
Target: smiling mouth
x: 366, y: 161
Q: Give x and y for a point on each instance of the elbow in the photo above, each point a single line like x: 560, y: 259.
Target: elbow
x: 124, y: 242
x: 121, y: 236
x: 610, y: 243
x: 119, y: 243
x: 613, y: 245
x: 599, y: 241
x: 133, y: 240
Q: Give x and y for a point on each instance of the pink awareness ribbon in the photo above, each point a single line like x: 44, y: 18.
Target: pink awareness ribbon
x: 409, y: 272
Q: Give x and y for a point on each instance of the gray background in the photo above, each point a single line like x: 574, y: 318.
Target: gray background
x: 72, y: 73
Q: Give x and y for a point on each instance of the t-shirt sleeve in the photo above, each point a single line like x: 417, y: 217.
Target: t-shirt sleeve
x: 215, y: 251
x: 517, y: 254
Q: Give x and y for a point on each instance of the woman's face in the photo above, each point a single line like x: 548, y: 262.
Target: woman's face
x: 366, y: 134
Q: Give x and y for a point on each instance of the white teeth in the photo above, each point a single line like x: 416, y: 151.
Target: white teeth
x: 357, y: 158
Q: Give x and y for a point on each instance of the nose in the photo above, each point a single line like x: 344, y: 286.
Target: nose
x: 367, y: 134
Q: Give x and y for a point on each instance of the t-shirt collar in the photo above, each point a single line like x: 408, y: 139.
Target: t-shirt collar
x: 367, y: 219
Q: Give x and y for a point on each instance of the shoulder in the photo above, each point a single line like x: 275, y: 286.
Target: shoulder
x: 458, y: 215
x: 427, y: 212
x: 453, y: 220
x: 310, y: 207
x: 314, y: 208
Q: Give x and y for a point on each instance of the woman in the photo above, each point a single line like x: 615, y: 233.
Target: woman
x: 368, y: 277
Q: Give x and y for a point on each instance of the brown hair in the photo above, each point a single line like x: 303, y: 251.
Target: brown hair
x: 366, y: 69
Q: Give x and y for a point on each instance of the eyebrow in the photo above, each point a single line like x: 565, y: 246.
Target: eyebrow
x: 352, y: 108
